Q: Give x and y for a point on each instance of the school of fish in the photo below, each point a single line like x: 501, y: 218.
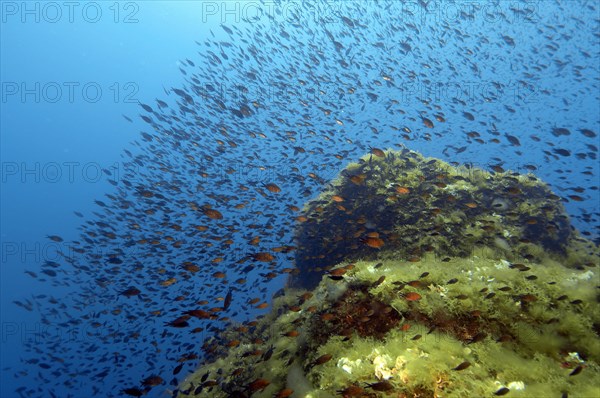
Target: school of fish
x: 200, y: 232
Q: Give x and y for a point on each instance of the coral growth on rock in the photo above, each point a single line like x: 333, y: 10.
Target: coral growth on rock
x: 433, y: 281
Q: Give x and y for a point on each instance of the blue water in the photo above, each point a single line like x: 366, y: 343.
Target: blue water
x: 521, y: 69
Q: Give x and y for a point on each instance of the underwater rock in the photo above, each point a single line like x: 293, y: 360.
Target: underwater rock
x: 473, y: 317
x: 405, y: 205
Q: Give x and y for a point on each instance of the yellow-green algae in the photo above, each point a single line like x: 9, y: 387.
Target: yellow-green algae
x: 530, y: 346
x: 515, y: 314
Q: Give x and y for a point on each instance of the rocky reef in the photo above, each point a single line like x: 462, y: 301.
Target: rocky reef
x: 405, y: 205
x: 420, y: 279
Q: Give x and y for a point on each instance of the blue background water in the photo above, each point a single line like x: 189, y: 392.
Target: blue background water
x: 66, y: 143
x: 138, y: 56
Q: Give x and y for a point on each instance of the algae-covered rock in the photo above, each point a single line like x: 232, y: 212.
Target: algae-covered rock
x: 500, y: 311
x: 406, y: 205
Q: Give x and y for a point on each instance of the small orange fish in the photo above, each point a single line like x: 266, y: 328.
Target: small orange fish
x: 358, y: 179
x: 322, y: 359
x: 352, y: 391
x: 375, y: 243
x: 272, y: 188
x: 528, y: 298
x: 168, y: 282
x: 338, y: 271
x: 263, y: 257
x: 258, y: 385
x: 190, y: 267
x: 213, y: 214
x: 200, y: 314
x: 402, y: 190
x: 378, y: 152
x: 255, y: 241
x: 327, y: 317
x: 284, y: 393
x: 412, y: 296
